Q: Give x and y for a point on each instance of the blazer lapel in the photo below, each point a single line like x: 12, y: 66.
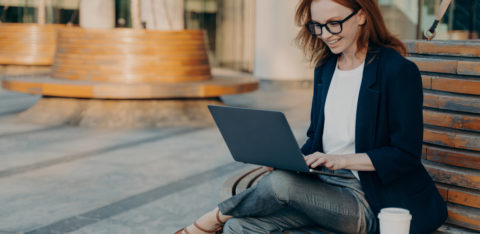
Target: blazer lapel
x: 367, y: 105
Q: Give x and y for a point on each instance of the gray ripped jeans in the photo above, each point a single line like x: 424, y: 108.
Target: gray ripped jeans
x: 287, y: 200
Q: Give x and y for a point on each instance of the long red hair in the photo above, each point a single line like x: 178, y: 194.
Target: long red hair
x: 374, y: 30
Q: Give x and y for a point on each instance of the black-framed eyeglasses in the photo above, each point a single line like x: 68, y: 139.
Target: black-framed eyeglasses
x: 334, y: 27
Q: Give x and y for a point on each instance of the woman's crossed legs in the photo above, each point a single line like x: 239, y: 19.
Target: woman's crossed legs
x: 287, y: 200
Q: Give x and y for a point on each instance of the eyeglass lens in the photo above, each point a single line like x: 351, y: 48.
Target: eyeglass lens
x: 332, y: 27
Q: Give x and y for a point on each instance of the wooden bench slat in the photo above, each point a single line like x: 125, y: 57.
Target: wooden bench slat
x: 464, y: 197
x: 452, y: 139
x: 449, y: 229
x: 109, y: 50
x: 464, y: 216
x: 137, y: 42
x: 469, y: 68
x: 127, y: 32
x: 203, y: 69
x: 435, y: 65
x: 452, y: 102
x: 461, y: 177
x: 76, y: 49
x: 75, y: 32
x: 132, y: 79
x: 168, y: 66
x: 427, y: 82
x: 172, y: 64
x: 449, y: 66
x: 452, y: 120
x: 461, y: 196
x: 443, y: 190
x: 459, y: 48
x: 459, y: 158
x: 449, y: 84
x: 30, y: 60
x: 104, y: 58
x: 64, y: 48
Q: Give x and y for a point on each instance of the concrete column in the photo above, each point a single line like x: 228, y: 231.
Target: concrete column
x: 97, y: 14
x: 135, y: 13
x: 163, y: 14
x: 235, y: 34
x: 40, y: 11
x: 276, y: 55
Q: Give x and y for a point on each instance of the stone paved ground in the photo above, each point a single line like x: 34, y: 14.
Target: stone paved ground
x: 58, y: 179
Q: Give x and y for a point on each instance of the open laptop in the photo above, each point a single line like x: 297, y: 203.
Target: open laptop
x: 261, y: 137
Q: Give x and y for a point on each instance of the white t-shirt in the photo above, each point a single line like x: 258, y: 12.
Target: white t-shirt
x: 341, y: 112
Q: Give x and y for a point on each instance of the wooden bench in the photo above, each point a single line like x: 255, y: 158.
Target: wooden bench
x: 451, y: 153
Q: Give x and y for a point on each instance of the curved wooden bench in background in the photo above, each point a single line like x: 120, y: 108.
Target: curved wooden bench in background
x: 451, y: 153
x: 131, y: 56
x: 27, y: 44
x: 131, y: 64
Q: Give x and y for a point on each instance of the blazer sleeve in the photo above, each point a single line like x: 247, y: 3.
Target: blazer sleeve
x: 404, y: 98
x: 306, y: 148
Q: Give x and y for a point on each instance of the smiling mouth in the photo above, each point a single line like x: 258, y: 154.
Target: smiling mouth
x: 334, y: 41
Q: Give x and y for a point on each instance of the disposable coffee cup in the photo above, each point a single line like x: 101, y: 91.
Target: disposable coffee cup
x: 394, y: 221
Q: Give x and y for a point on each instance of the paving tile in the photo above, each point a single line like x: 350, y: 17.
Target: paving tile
x: 163, y: 215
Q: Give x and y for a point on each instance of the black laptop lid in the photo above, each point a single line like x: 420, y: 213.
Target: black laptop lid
x: 259, y: 137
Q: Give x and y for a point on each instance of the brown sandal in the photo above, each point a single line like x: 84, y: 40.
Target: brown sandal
x: 217, y: 216
x: 195, y: 224
x: 184, y: 230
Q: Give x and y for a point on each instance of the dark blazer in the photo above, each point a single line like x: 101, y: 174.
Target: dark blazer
x: 389, y: 129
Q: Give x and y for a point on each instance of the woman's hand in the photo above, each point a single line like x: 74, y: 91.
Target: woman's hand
x: 332, y: 162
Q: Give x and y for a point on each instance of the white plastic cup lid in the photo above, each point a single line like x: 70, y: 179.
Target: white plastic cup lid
x: 395, y: 214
